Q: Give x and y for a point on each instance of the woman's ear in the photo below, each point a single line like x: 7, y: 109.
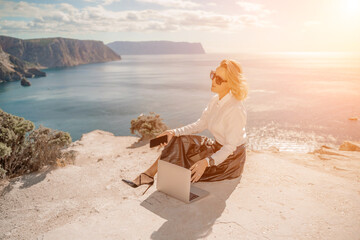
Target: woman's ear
x: 227, y: 85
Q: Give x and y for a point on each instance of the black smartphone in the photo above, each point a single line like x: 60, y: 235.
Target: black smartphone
x: 157, y: 141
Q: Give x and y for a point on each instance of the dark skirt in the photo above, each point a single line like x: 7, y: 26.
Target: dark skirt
x: 185, y: 150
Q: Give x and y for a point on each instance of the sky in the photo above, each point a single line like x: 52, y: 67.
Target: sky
x: 220, y: 26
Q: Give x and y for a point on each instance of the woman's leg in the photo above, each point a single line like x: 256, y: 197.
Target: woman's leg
x: 151, y: 171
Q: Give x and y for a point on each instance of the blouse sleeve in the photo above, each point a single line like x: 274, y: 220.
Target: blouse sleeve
x: 200, y: 125
x: 235, y: 134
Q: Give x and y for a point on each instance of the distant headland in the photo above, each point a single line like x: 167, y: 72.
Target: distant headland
x: 21, y: 59
x: 155, y: 47
x: 18, y: 56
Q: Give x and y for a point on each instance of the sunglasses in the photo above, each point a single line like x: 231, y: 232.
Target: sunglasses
x: 218, y: 79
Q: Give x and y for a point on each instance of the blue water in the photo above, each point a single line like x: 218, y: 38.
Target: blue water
x: 296, y: 102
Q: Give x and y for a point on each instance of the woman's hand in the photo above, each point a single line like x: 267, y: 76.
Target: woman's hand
x: 198, y: 169
x: 169, y: 133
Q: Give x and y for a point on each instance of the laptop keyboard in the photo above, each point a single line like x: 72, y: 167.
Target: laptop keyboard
x: 192, y: 196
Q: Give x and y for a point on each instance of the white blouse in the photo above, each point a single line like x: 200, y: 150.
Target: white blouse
x: 226, y: 120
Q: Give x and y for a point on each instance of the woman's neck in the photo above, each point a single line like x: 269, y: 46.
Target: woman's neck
x: 222, y: 94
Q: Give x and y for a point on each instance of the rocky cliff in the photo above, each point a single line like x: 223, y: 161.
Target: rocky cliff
x: 281, y: 195
x: 156, y: 47
x: 13, y: 69
x: 58, y: 52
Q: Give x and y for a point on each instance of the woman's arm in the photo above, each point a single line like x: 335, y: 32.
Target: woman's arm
x: 235, y: 134
x: 195, y: 127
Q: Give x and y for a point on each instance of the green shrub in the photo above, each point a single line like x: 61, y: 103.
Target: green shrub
x: 23, y: 149
x: 148, y: 126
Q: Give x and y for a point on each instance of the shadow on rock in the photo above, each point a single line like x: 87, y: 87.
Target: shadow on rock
x: 194, y: 220
x: 27, y: 180
x: 139, y: 143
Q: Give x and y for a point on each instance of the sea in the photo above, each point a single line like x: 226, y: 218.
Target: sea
x: 297, y: 102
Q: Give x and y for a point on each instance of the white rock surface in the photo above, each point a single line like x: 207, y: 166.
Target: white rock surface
x: 280, y: 196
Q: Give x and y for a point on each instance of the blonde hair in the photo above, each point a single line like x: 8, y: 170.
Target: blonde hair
x: 236, y: 80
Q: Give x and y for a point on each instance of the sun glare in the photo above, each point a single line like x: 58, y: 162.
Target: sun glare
x: 351, y: 7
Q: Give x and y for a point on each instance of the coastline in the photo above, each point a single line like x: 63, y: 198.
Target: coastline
x: 281, y: 195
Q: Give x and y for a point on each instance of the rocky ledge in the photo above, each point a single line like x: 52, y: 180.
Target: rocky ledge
x: 281, y: 195
x: 14, y: 69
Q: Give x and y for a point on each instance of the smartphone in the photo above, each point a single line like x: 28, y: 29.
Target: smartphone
x: 157, y: 141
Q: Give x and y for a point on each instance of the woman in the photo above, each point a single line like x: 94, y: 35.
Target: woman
x: 225, y: 117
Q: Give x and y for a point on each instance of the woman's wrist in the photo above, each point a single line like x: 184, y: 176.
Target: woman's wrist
x: 210, y: 160
x: 207, y: 161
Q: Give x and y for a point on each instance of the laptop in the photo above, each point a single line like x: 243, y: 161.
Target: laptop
x: 175, y: 181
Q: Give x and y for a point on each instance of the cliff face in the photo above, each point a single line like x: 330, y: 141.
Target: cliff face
x: 14, y: 69
x: 156, y: 47
x: 58, y: 52
x: 11, y: 68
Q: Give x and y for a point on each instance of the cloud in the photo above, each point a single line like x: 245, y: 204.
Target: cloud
x: 172, y: 3
x: 65, y: 18
x: 311, y: 23
x: 254, y: 8
x: 108, y: 2
x: 310, y: 26
x: 250, y: 7
x: 103, y: 2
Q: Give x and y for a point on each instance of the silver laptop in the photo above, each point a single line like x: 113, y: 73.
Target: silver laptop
x: 175, y: 181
